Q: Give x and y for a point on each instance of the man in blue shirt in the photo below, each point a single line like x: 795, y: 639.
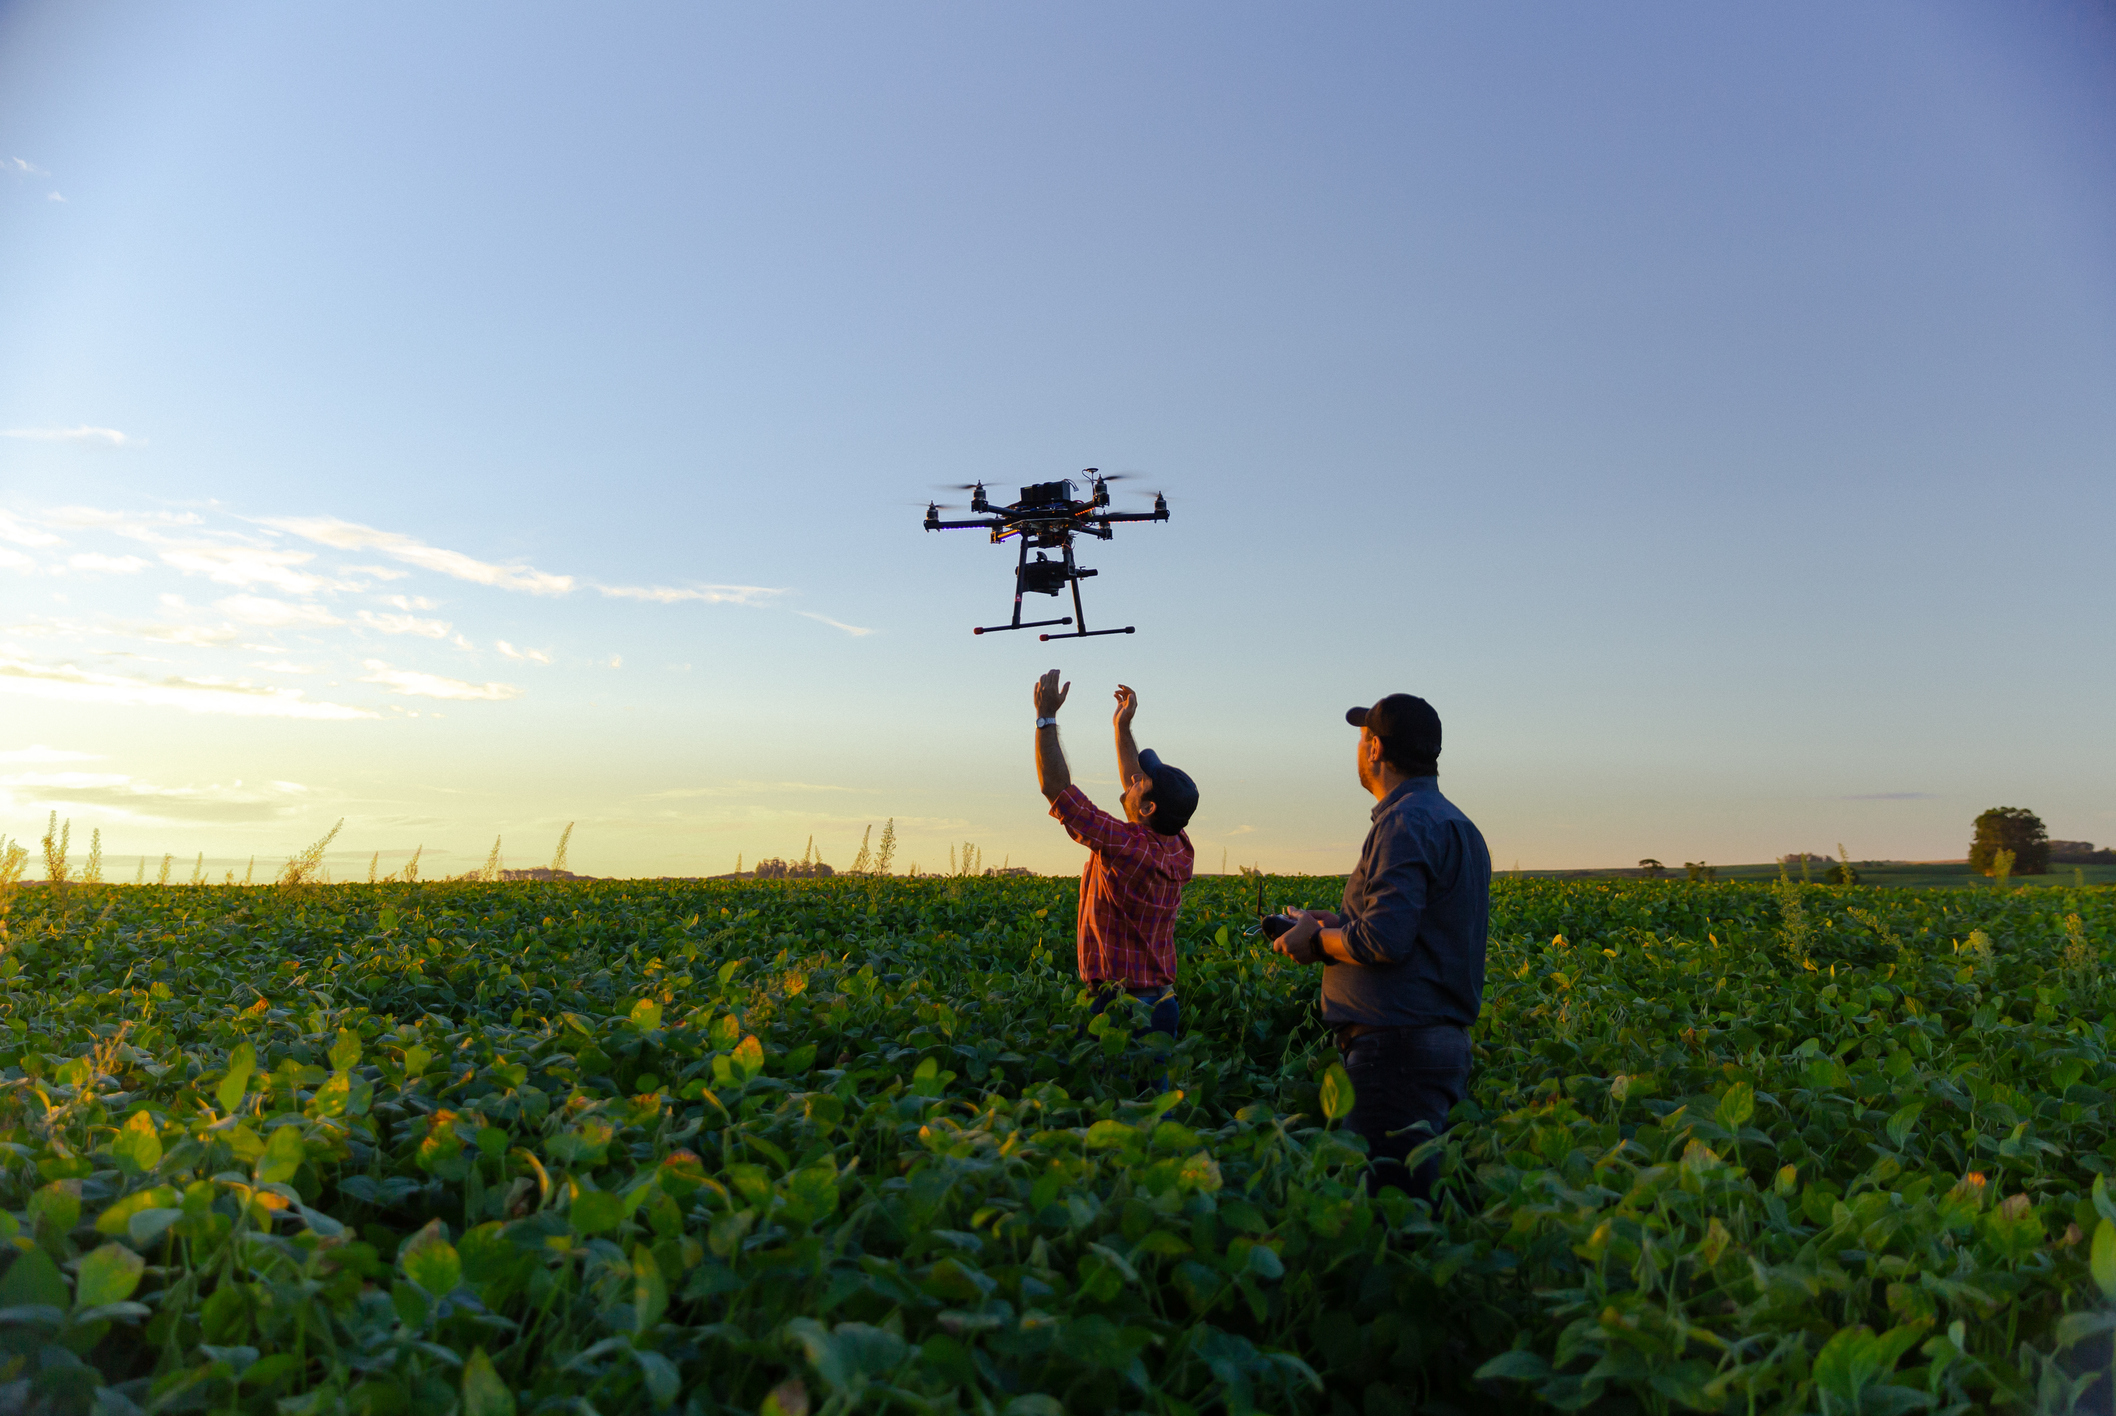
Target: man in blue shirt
x: 1404, y: 959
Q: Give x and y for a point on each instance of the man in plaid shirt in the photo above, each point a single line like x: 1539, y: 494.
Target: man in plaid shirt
x: 1132, y: 884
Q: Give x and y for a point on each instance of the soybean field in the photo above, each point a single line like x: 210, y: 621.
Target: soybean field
x: 853, y: 1145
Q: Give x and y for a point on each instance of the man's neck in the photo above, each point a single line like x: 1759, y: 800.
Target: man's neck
x: 1386, y: 781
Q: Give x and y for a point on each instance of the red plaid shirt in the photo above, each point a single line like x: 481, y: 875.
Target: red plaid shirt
x: 1130, y: 890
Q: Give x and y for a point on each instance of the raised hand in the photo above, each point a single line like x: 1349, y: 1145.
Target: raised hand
x: 1127, y: 705
x: 1050, y: 696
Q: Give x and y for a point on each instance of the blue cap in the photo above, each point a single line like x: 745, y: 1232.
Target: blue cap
x: 1175, y: 796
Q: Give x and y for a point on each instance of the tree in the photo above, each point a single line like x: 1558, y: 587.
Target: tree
x: 2015, y: 829
x: 1651, y: 868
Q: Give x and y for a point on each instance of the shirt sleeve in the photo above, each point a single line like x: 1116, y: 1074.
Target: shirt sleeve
x: 1089, y: 824
x: 1385, y: 930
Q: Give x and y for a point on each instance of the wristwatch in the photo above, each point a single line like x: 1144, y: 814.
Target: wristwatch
x: 1046, y: 723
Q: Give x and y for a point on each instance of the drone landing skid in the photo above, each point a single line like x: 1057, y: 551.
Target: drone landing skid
x: 1088, y: 633
x: 1032, y: 624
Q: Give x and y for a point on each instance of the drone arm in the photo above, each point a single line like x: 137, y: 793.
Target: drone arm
x: 1110, y: 516
x: 959, y: 525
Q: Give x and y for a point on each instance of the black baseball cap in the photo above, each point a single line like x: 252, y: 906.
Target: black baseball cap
x: 1403, y: 721
x: 1175, y: 795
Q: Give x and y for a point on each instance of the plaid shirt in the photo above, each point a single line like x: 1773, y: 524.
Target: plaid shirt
x: 1130, y: 890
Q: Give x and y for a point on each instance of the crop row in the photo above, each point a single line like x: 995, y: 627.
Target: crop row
x: 856, y: 1144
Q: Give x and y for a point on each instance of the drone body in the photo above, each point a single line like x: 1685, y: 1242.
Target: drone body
x: 1047, y: 518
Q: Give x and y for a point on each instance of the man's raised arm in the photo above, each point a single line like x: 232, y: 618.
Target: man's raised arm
x: 1052, y: 777
x: 1127, y: 750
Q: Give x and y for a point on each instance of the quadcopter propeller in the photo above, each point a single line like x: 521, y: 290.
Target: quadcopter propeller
x: 956, y: 486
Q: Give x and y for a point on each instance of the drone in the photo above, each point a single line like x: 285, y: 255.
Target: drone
x: 1047, y: 517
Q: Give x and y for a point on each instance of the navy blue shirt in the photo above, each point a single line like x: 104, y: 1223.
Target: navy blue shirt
x: 1416, y: 914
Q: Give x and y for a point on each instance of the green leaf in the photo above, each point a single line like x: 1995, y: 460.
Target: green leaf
x: 432, y: 1262
x: 594, y: 1211
x: 484, y: 1394
x: 137, y: 1148
x: 107, y: 1276
x: 646, y: 1015
x: 664, y: 1382
x: 241, y: 1063
x: 58, y: 1205
x: 283, y: 1155
x: 1264, y: 1262
x: 850, y: 1355
x: 2103, y: 1260
x: 345, y: 1052
x: 1900, y: 1124
x: 650, y: 1294
x: 1336, y: 1093
x: 33, y: 1280
x: 114, y: 1221
x: 1036, y: 1403
x: 1737, y: 1106
x: 416, y: 1060
x: 748, y: 1057
x: 1520, y: 1364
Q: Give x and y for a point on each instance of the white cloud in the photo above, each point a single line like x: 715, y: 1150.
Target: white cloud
x: 434, y: 685
x: 53, y: 197
x: 617, y: 661
x: 405, y: 624
x: 273, y: 614
x: 13, y: 530
x: 15, y: 560
x: 250, y: 565
x: 852, y: 629
x: 410, y: 602
x: 534, y: 656
x: 38, y: 752
x: 123, y: 795
x: 69, y: 683
x: 281, y: 666
x: 349, y: 536
x: 709, y: 594
x: 108, y: 565
x: 196, y: 636
x: 136, y: 525
x: 16, y: 167
x: 108, y: 437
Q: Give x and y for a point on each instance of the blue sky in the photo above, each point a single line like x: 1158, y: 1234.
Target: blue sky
x: 466, y: 422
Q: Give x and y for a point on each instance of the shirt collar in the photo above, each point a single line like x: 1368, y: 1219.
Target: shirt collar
x: 1403, y: 789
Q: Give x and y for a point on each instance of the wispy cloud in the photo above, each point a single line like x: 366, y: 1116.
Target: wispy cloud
x: 107, y: 565
x: 38, y: 752
x: 128, y: 796
x: 434, y: 685
x: 251, y: 565
x: 1892, y: 796
x: 534, y: 656
x: 350, y: 536
x: 149, y: 526
x: 852, y: 629
x: 273, y: 614
x: 409, y: 602
x: 21, y: 535
x: 405, y: 624
x: 106, y: 437
x: 70, y: 683
x: 709, y: 594
x: 17, y: 167
x: 15, y: 560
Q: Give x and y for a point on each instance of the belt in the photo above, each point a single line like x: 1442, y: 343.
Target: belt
x: 1347, y: 1032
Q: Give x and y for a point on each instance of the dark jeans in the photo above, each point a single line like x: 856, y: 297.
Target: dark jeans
x: 1166, y: 1011
x: 1401, y: 1077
